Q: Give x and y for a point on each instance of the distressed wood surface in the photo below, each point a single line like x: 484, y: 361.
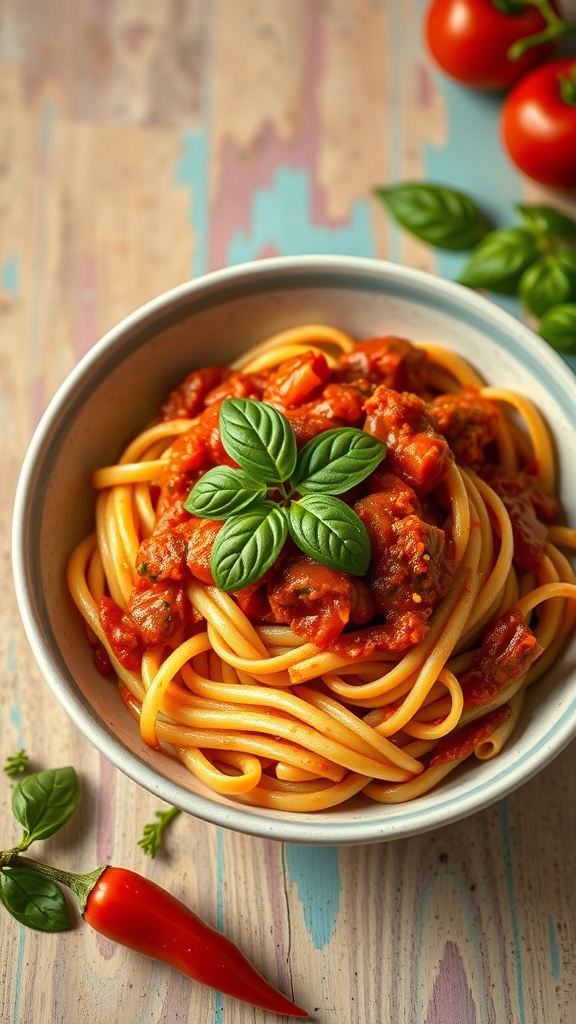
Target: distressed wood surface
x: 143, y: 142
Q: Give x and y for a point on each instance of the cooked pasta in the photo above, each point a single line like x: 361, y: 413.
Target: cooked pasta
x: 310, y: 685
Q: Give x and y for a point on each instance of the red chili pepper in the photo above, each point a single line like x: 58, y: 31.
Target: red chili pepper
x: 137, y: 913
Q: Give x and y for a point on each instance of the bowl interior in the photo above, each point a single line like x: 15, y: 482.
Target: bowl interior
x: 115, y: 390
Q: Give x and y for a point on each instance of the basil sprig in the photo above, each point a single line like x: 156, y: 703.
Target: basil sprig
x: 279, y: 491
x: 443, y: 217
x: 42, y: 803
x: 535, y: 260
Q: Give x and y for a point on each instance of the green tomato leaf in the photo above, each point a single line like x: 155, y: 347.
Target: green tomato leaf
x: 223, y: 492
x: 44, y: 801
x: 500, y: 259
x: 33, y: 899
x: 247, y: 545
x: 558, y: 327
x: 258, y: 438
x: 549, y: 282
x: 327, y: 529
x: 443, y: 217
x: 545, y: 220
x: 336, y: 460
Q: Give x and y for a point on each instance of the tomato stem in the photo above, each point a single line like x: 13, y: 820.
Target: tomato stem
x: 568, y: 87
x: 556, y: 29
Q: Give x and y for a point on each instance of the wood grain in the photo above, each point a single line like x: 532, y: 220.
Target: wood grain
x: 142, y: 143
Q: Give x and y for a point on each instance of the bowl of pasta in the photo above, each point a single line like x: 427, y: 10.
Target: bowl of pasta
x: 292, y: 546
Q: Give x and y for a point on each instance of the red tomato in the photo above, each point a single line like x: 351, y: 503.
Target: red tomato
x: 470, y: 40
x: 538, y: 124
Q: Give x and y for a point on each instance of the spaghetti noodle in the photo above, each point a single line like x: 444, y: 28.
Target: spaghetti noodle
x: 311, y: 686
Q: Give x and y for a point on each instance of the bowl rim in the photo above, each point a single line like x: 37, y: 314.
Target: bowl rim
x: 401, y: 820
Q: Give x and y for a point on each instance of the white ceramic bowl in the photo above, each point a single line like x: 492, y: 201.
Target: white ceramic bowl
x: 117, y: 387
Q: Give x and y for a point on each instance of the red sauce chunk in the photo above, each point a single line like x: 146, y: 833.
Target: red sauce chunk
x: 508, y: 649
x: 317, y: 602
x: 460, y: 744
x: 530, y: 508
x: 416, y: 453
x: 469, y: 423
x: 386, y: 360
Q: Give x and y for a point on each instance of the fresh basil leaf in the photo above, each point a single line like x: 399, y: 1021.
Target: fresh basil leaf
x: 44, y: 801
x: 443, y: 217
x: 549, y: 282
x: 258, y: 438
x: 247, y: 545
x: 223, y: 492
x: 328, y: 530
x: 558, y: 327
x: 336, y: 460
x: 33, y: 899
x: 500, y: 259
x: 545, y: 220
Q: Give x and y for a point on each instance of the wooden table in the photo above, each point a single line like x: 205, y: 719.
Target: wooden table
x: 143, y: 142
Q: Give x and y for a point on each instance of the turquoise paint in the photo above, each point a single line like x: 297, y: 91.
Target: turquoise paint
x: 10, y: 277
x: 191, y: 173
x: 473, y: 161
x: 316, y: 875
x: 282, y: 218
x: 554, y: 951
x: 517, y: 950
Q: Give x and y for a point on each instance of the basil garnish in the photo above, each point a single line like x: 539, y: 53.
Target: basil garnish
x: 223, y: 492
x: 558, y: 327
x: 545, y: 220
x: 43, y: 802
x: 550, y: 281
x: 247, y: 545
x: 500, y: 259
x: 259, y: 438
x: 34, y: 900
x: 443, y: 217
x: 278, y: 490
x: 328, y: 530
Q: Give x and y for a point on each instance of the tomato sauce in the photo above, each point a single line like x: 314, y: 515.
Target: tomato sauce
x: 381, y: 387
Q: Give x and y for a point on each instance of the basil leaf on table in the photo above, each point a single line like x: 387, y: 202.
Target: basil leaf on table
x: 258, y: 438
x: 500, y: 259
x: 247, y: 545
x: 328, y: 530
x: 33, y: 899
x: 545, y: 220
x: 550, y: 281
x: 43, y: 802
x: 223, y: 492
x: 558, y: 327
x: 443, y: 217
x: 336, y: 460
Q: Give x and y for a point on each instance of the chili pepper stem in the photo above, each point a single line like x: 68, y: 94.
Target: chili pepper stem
x: 81, y: 885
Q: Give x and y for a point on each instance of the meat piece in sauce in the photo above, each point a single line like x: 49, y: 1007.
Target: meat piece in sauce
x: 172, y: 553
x: 387, y: 360
x: 187, y: 399
x: 317, y: 602
x: 469, y: 423
x: 508, y: 649
x: 410, y: 569
x: 158, y: 610
x: 416, y: 453
x: 529, y: 506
